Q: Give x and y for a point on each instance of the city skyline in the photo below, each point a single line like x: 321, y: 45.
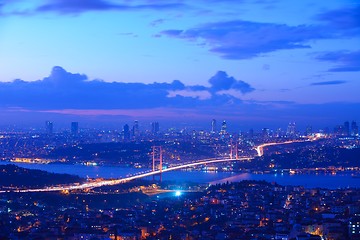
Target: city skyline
x: 132, y: 130
x: 256, y: 63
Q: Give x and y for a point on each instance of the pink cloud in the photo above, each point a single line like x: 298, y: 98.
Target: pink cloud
x: 136, y: 113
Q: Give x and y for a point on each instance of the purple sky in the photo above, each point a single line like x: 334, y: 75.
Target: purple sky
x: 254, y: 63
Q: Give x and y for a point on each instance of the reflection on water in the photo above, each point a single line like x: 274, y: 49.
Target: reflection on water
x: 313, y: 180
x: 236, y: 178
x: 82, y: 170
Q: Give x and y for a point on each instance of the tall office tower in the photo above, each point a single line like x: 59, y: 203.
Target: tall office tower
x: 308, y: 130
x: 346, y: 128
x: 126, y: 132
x: 136, y: 132
x: 265, y: 133
x: 354, y: 129
x: 339, y: 130
x: 279, y: 133
x: 291, y: 129
x: 213, y: 126
x: 74, y: 128
x: 155, y: 127
x: 49, y: 126
x: 223, y: 127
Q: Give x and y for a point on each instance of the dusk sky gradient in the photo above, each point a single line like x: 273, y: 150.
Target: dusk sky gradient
x: 255, y: 63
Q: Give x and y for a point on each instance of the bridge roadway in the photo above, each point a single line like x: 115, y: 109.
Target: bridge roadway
x: 112, y: 182
x: 125, y: 179
x: 260, y: 149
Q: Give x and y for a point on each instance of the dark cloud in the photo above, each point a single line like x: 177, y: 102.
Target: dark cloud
x: 157, y: 22
x: 75, y: 6
x: 79, y: 6
x: 172, y: 33
x: 266, y: 67
x: 82, y: 6
x: 240, y: 39
x: 221, y: 81
x: 345, y: 18
x: 346, y: 61
x: 64, y: 90
x: 63, y: 96
x: 335, y: 82
x: 245, y: 39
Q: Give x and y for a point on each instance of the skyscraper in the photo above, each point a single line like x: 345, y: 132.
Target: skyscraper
x: 265, y: 133
x: 339, y: 130
x: 291, y: 129
x: 126, y: 131
x: 74, y: 128
x: 136, y: 132
x: 49, y: 126
x: 346, y: 128
x: 223, y: 127
x: 155, y: 127
x: 354, y: 129
x: 308, y: 130
x: 213, y: 126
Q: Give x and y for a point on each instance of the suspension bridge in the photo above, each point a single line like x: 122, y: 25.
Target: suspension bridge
x: 157, y: 169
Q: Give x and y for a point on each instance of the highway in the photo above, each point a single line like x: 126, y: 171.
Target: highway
x: 260, y: 149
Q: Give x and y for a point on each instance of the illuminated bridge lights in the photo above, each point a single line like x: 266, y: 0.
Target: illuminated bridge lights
x: 77, y: 186
x: 260, y: 149
x: 126, y: 179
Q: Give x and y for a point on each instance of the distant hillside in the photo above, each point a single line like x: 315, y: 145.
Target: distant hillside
x: 318, y: 157
x: 14, y: 176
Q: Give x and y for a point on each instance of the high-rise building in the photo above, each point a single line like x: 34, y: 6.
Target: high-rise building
x: 339, y: 130
x: 223, y: 127
x: 136, y: 125
x: 346, y: 128
x: 74, y: 128
x: 155, y: 127
x: 213, y: 126
x: 265, y: 133
x: 354, y: 129
x: 126, y: 132
x: 291, y: 129
x: 279, y: 133
x: 135, y: 130
x: 49, y: 126
x: 308, y: 130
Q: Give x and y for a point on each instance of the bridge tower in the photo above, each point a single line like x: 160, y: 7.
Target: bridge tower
x: 259, y: 150
x: 157, y: 157
x: 234, y: 150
